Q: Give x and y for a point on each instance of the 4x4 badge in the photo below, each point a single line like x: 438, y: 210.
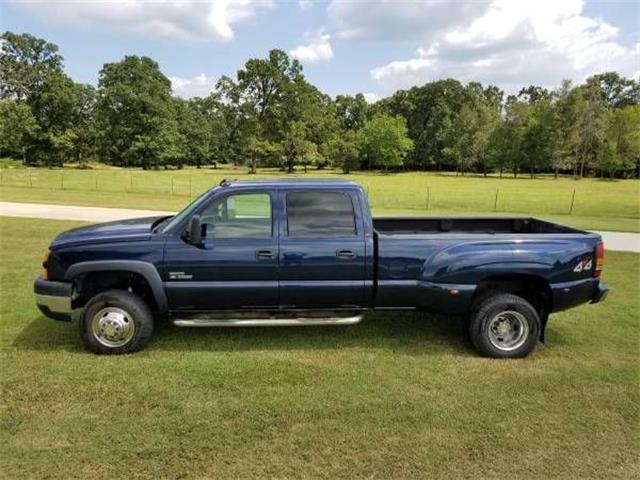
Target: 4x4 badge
x: 583, y: 265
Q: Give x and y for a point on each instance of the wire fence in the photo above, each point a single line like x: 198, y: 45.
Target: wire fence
x: 385, y: 193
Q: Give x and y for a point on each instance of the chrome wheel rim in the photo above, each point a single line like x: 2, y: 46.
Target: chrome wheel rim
x: 113, y: 327
x: 508, y: 330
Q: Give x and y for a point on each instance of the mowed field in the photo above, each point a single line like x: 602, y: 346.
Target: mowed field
x: 589, y: 203
x: 398, y: 396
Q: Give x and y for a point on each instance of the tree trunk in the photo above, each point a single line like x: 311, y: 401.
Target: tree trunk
x: 556, y: 174
x: 252, y: 164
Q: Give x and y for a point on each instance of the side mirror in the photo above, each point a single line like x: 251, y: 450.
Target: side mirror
x: 193, y: 233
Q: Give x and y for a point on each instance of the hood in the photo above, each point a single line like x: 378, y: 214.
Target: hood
x: 135, y: 229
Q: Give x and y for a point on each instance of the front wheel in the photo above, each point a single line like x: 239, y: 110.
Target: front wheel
x: 504, y: 326
x: 116, y: 322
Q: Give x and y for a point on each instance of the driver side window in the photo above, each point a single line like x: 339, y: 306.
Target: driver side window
x: 240, y: 215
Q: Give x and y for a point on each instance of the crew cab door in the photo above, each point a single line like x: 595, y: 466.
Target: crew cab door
x: 236, y: 265
x: 322, y: 249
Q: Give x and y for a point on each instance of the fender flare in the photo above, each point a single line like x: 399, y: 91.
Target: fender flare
x: 147, y: 270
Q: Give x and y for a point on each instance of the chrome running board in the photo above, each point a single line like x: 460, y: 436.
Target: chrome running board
x: 266, y: 322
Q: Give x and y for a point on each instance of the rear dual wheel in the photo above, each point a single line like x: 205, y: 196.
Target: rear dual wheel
x: 504, y: 325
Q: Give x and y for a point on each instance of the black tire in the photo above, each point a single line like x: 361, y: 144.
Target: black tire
x: 511, y: 310
x: 131, y: 312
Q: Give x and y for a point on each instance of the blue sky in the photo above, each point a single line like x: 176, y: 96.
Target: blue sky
x: 345, y: 47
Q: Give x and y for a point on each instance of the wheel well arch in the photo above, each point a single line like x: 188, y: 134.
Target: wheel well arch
x: 92, y: 283
x: 533, y: 288
x: 138, y: 276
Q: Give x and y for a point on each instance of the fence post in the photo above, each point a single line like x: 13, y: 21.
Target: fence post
x: 573, y: 199
x: 428, y: 196
x: 495, y: 202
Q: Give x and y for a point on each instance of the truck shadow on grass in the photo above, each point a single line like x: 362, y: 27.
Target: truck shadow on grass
x: 412, y: 333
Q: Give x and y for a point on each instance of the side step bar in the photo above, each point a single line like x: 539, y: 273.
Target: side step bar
x: 266, y: 322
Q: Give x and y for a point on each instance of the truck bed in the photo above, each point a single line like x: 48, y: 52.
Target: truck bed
x: 488, y: 225
x: 420, y: 259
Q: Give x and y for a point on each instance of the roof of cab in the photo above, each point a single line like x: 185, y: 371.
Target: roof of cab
x: 289, y: 182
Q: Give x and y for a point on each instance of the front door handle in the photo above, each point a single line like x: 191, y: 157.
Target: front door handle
x: 264, y: 254
x: 345, y: 254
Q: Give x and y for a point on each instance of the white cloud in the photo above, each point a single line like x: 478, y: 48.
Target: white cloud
x: 514, y: 44
x: 305, y: 4
x: 198, y: 86
x: 183, y: 20
x: 399, y: 20
x: 370, y: 97
x: 317, y: 49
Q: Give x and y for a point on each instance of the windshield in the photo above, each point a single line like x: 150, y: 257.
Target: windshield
x: 186, y: 212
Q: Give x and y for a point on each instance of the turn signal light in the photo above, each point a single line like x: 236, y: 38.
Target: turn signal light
x: 45, y: 274
x: 597, y: 271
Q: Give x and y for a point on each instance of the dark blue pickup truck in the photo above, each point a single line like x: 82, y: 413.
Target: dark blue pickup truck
x: 292, y: 252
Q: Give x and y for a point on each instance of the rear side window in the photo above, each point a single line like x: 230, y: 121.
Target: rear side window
x: 320, y: 214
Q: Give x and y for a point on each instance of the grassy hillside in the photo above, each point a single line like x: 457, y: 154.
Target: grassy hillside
x: 597, y: 204
x: 398, y: 396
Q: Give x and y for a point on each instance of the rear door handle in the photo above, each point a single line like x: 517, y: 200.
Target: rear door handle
x: 264, y: 254
x: 345, y: 254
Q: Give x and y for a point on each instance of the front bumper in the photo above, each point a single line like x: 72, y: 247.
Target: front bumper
x: 600, y: 294
x: 53, y: 298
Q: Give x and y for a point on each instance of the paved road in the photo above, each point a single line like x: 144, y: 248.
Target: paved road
x: 628, y: 242
x: 72, y: 212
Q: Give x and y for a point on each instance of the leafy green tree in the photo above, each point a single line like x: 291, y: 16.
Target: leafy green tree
x: 239, y: 134
x: 265, y: 84
x: 502, y: 146
x: 588, y: 133
x: 534, y: 94
x: 201, y: 129
x: 565, y: 110
x: 295, y: 145
x: 135, y: 114
x: 623, y: 140
x: 429, y: 111
x: 384, y: 141
x: 18, y: 128
x: 613, y: 90
x: 63, y: 111
x: 26, y: 64
x: 541, y: 136
x: 353, y: 111
x: 342, y: 150
x: 459, y: 144
x: 516, y: 118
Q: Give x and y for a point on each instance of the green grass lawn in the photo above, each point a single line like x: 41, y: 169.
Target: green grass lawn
x: 398, y: 396
x: 598, y: 204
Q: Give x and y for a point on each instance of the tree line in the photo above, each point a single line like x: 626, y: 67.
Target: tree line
x: 270, y: 115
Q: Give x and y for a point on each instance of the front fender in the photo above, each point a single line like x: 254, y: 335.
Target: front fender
x: 147, y: 270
